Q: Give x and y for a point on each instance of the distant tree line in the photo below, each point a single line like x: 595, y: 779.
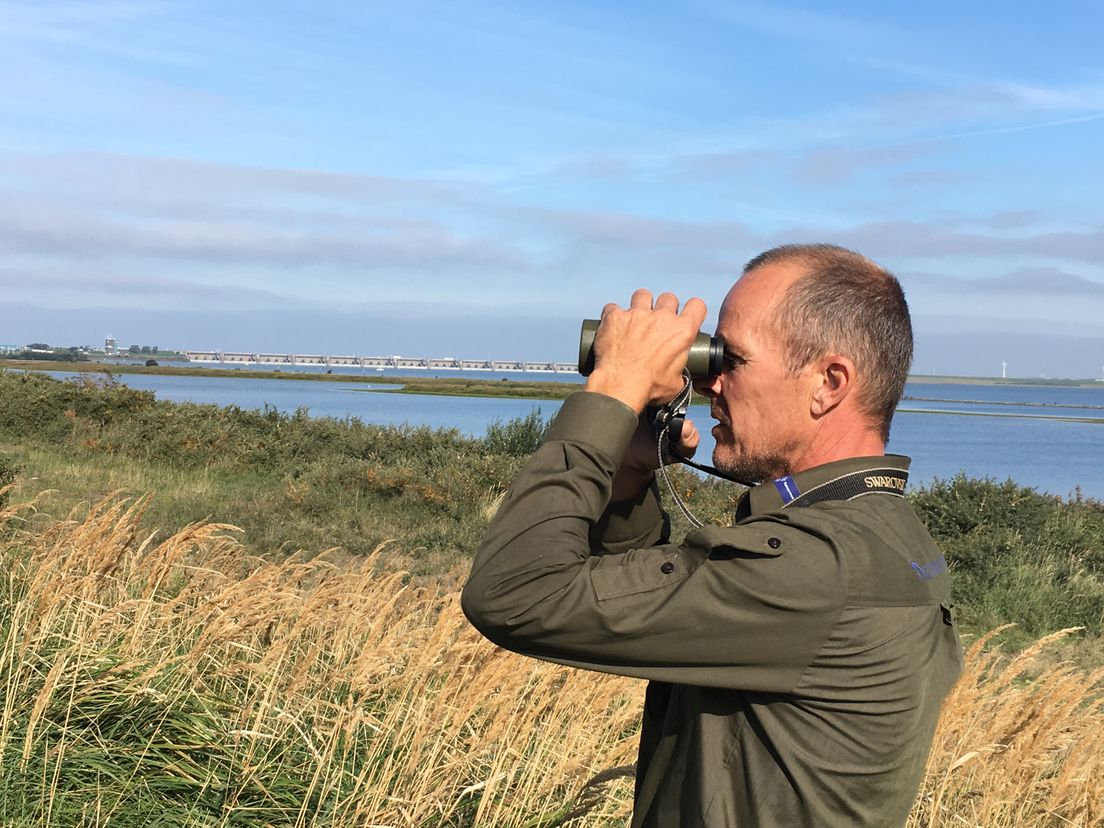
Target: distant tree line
x: 142, y: 349
x: 40, y: 350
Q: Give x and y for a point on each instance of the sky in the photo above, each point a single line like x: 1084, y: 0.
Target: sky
x: 473, y: 179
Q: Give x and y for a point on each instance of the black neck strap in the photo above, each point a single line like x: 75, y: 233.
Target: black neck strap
x: 884, y: 480
x: 702, y: 467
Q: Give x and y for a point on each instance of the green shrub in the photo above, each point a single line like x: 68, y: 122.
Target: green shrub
x: 38, y: 406
x: 1017, y: 555
x: 518, y: 438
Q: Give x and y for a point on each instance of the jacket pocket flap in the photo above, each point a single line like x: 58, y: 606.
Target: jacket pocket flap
x: 762, y: 539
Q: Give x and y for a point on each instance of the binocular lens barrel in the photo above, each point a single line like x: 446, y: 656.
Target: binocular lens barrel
x: 706, y: 357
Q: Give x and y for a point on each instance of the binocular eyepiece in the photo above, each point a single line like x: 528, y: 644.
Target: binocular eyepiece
x: 706, y: 357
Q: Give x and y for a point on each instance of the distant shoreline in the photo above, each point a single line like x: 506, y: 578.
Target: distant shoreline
x: 1061, y: 418
x: 276, y: 373
x: 1023, y: 403
x: 527, y: 390
x: 462, y: 386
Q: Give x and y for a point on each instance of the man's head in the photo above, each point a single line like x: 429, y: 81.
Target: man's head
x: 818, y: 347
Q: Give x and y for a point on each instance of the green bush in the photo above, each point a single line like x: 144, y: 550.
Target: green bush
x: 37, y: 406
x: 1017, y: 555
x: 330, y: 482
x: 518, y: 438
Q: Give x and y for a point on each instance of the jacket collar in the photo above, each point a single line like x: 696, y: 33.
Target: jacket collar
x: 774, y: 495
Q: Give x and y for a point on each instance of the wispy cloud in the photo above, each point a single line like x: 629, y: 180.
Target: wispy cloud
x: 115, y: 207
x: 1047, y: 281
x: 914, y: 239
x: 1037, y: 282
x: 52, y: 230
x: 929, y: 179
x: 1011, y: 219
x: 830, y: 147
x: 104, y: 27
x: 963, y: 111
x: 152, y: 180
x: 836, y: 165
x: 797, y: 24
x: 1033, y: 125
x: 82, y: 286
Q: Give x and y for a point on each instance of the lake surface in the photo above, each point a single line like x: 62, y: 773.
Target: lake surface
x: 1049, y: 454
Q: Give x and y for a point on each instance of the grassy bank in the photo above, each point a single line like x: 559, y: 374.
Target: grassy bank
x: 331, y: 483
x: 190, y: 370
x: 449, y: 386
x: 183, y: 681
x: 296, y: 484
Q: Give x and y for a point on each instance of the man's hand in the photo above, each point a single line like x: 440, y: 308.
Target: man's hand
x: 642, y: 459
x: 639, y: 353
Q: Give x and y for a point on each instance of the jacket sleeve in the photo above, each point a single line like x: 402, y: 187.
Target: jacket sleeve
x: 565, y: 576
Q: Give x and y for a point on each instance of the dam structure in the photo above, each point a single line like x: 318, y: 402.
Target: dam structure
x: 378, y: 363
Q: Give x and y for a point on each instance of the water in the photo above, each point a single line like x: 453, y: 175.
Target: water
x: 470, y: 415
x: 1048, y: 454
x: 353, y: 370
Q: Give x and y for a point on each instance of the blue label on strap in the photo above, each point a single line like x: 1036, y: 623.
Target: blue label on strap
x: 787, y: 488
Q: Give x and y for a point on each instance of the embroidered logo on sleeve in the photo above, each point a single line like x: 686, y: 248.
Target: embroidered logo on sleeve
x: 931, y: 569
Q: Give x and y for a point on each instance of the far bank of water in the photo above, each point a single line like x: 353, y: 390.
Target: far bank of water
x: 1048, y: 454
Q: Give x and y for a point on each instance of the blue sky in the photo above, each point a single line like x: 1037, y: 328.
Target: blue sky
x: 471, y: 179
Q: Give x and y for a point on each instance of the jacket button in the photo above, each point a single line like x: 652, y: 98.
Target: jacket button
x: 774, y: 543
x: 667, y: 568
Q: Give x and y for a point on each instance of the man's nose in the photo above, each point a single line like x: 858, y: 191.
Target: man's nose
x: 708, y: 386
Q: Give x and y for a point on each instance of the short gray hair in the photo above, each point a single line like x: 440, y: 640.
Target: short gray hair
x: 849, y: 305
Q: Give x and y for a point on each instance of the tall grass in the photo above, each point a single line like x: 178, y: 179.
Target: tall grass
x: 182, y: 682
x: 1020, y: 743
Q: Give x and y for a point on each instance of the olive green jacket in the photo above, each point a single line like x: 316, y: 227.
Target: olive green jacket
x: 797, y: 659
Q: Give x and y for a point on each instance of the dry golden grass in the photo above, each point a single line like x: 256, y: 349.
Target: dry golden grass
x: 399, y: 713
x: 1020, y: 743
x: 307, y: 693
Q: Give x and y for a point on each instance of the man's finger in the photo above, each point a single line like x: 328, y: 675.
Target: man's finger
x: 694, y: 309
x: 641, y: 298
x: 610, y: 308
x: 689, y: 439
x: 667, y: 301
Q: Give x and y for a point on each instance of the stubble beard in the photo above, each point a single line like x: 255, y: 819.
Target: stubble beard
x: 756, y: 468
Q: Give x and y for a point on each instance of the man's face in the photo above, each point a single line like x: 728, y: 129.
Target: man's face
x: 764, y: 423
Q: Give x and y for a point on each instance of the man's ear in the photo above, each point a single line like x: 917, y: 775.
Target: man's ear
x: 835, y: 378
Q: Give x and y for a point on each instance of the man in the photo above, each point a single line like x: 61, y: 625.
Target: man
x: 797, y: 658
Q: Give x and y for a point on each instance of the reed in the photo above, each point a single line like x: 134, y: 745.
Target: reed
x: 1020, y: 743
x: 179, y: 680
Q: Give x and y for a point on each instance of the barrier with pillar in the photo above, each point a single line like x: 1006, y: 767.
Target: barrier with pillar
x: 378, y: 362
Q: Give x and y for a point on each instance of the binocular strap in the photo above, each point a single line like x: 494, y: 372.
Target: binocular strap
x: 667, y: 422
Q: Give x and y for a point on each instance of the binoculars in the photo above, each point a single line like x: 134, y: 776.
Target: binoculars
x: 706, y: 357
